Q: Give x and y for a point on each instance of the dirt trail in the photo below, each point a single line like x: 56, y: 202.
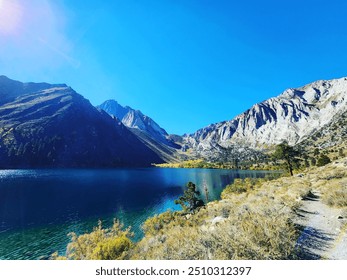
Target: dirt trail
x: 323, y: 235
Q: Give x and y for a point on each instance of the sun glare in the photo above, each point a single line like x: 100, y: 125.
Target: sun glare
x: 10, y: 16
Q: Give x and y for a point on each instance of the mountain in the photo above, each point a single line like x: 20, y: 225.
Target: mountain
x: 292, y: 116
x: 334, y: 134
x: 43, y: 125
x: 145, y: 128
x: 135, y: 119
x: 10, y: 89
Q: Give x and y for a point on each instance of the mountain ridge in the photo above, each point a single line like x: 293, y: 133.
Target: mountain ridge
x: 290, y: 116
x: 145, y: 128
x: 57, y: 127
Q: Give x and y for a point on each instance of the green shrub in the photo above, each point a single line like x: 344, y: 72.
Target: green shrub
x: 323, y: 160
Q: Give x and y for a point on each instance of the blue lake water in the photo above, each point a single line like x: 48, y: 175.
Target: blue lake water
x: 38, y: 208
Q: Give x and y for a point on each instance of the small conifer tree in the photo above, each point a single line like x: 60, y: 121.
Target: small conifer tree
x: 190, y: 200
x: 288, y: 154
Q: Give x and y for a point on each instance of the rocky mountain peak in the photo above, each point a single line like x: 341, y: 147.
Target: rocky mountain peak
x: 144, y: 127
x: 291, y: 116
x: 133, y: 118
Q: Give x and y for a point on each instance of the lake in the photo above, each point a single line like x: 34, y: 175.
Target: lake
x: 38, y: 208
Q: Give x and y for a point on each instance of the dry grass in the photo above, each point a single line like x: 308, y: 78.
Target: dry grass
x: 254, y: 220
x: 246, y: 233
x: 331, y: 181
x: 101, y: 244
x: 335, y: 193
x: 255, y: 223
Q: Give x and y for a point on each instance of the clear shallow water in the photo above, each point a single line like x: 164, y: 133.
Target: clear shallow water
x: 38, y: 208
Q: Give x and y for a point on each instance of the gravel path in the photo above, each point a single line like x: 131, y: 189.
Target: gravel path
x: 323, y: 235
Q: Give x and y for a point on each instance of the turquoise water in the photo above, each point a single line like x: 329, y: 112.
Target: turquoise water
x: 38, y: 208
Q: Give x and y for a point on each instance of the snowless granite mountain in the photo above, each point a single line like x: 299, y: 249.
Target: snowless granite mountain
x: 292, y: 116
x: 43, y: 125
x: 148, y: 131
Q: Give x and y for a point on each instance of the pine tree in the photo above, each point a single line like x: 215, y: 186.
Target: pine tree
x: 289, y: 155
x: 190, y: 199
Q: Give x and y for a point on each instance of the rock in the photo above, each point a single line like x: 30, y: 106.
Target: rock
x: 217, y: 220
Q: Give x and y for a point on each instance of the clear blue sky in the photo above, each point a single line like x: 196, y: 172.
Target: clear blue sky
x: 184, y: 63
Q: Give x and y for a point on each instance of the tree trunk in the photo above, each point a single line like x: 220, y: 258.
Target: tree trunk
x: 290, y: 167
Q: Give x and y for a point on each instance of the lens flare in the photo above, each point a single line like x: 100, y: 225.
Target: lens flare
x: 10, y: 16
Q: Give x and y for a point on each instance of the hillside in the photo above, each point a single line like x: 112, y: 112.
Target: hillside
x: 44, y: 125
x: 258, y: 220
x: 332, y: 136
